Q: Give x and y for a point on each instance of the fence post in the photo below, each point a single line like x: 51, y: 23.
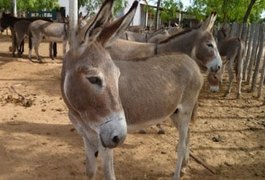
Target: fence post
x: 73, y: 15
x: 15, y: 8
x: 253, y: 53
x: 248, y: 50
x: 260, y: 52
x: 262, y: 78
x: 234, y: 30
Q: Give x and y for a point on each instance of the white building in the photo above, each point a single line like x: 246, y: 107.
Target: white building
x: 65, y: 3
x: 142, y: 17
x: 136, y: 20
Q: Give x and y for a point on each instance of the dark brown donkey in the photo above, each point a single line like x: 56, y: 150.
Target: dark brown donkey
x: 232, y: 51
x: 18, y: 30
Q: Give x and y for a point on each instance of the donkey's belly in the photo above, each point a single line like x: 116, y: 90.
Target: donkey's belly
x: 54, y: 39
x: 132, y: 127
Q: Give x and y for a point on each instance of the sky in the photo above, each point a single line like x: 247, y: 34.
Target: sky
x: 186, y: 2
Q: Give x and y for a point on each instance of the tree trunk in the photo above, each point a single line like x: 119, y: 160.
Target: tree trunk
x: 14, y: 10
x: 251, y: 4
x: 157, y: 14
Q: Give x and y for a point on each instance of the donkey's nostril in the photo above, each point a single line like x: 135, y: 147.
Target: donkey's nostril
x: 218, y: 67
x: 116, y: 139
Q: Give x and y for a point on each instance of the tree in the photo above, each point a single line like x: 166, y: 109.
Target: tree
x: 170, y: 8
x: 92, y: 6
x: 24, y: 5
x: 229, y: 10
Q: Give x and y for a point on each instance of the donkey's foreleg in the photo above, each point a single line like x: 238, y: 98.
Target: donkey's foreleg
x: 64, y: 47
x: 230, y: 75
x: 181, y: 119
x: 91, y: 152
x: 222, y: 72
x: 107, y: 156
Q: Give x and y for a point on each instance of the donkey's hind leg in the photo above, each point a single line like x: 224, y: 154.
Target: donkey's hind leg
x: 181, y: 119
x: 36, y: 42
x: 51, y: 50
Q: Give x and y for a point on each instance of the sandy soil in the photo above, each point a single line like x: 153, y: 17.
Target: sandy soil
x: 37, y: 141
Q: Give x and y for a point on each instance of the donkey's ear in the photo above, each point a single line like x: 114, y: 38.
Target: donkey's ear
x: 99, y: 21
x: 116, y: 28
x: 207, y: 25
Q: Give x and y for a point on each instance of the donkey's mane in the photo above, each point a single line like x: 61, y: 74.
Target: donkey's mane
x: 180, y: 33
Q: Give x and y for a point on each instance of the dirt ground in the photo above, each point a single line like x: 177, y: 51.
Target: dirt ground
x: 37, y: 140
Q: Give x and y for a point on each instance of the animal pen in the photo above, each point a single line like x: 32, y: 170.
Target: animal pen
x: 254, y: 56
x: 39, y: 142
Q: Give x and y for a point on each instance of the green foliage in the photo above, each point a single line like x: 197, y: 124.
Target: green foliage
x: 170, y: 8
x: 92, y: 6
x: 5, y: 4
x: 23, y: 5
x: 227, y: 10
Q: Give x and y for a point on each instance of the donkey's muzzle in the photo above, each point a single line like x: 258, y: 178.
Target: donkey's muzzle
x: 214, y: 89
x: 215, y: 68
x: 113, y: 132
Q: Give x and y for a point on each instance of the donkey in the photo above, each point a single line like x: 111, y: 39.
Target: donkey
x: 159, y: 37
x: 147, y: 91
x: 90, y: 90
x: 8, y: 20
x: 141, y: 37
x: 232, y: 49
x: 21, y: 29
x: 51, y: 31
x: 197, y: 42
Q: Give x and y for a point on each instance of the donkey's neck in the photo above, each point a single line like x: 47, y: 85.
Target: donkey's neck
x: 179, y: 43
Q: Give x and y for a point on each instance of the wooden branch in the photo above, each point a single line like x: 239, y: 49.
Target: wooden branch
x: 200, y: 161
x: 15, y: 91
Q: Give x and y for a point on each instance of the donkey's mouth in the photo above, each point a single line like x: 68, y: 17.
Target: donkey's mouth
x: 102, y: 142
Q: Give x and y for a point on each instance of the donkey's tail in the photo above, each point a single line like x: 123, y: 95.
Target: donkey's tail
x: 30, y: 40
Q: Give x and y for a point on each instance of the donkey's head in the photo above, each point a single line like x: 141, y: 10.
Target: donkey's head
x: 5, y: 21
x: 205, y: 51
x: 90, y: 81
x: 215, y: 80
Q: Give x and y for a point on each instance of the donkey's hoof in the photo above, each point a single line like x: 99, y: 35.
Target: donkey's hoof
x: 238, y: 96
x: 183, y: 171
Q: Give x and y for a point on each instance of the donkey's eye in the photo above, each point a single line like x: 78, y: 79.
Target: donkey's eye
x: 95, y: 80
x: 215, y: 77
x: 210, y: 45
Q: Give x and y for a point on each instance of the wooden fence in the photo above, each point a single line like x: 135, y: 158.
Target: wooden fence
x: 254, y: 57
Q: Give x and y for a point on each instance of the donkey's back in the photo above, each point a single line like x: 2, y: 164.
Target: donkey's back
x: 50, y: 30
